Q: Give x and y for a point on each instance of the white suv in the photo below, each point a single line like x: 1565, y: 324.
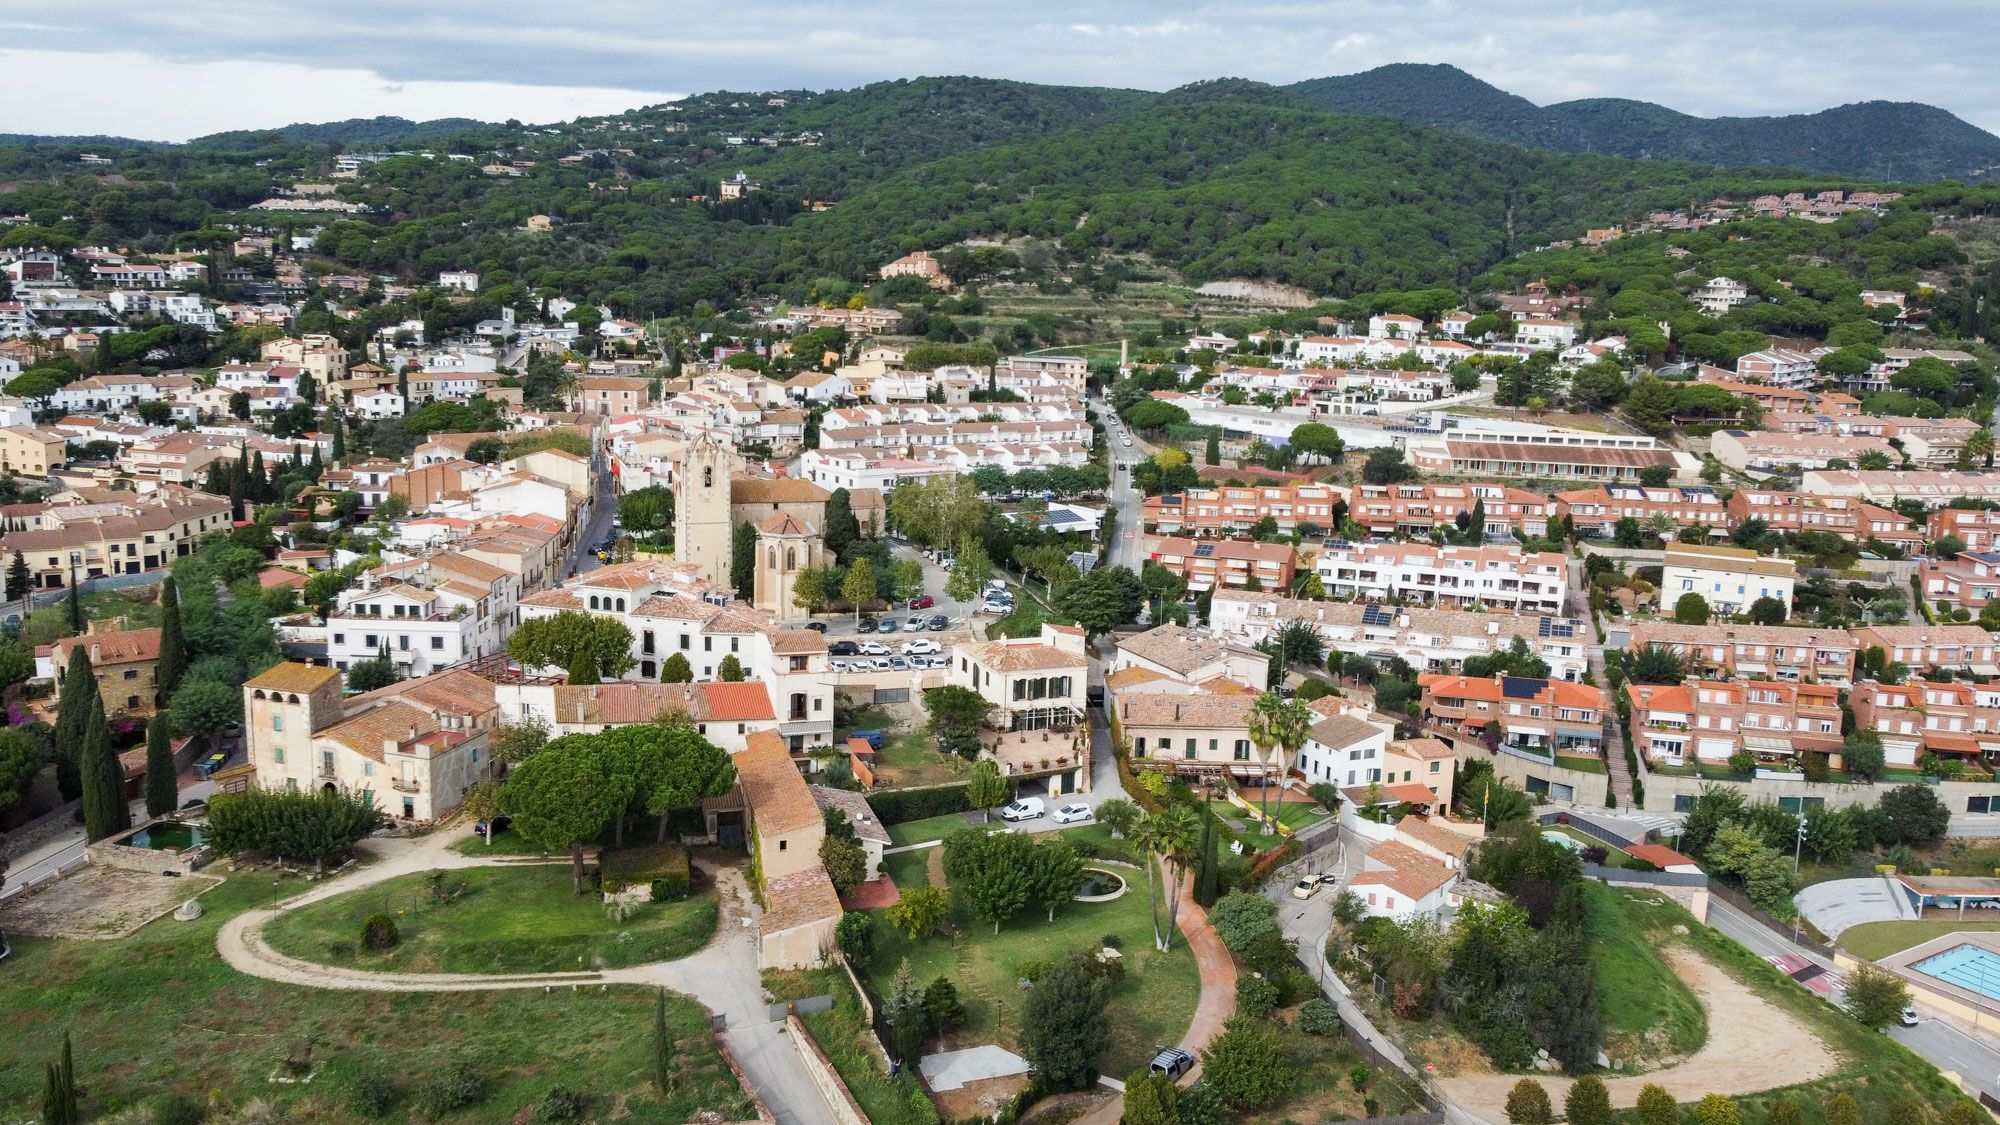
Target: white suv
x: 921, y: 648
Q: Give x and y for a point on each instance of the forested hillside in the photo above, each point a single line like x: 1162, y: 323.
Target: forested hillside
x: 1904, y: 141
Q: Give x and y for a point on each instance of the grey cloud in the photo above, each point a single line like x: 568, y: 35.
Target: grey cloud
x: 1773, y: 56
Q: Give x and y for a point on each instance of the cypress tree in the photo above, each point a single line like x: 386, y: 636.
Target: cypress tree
x: 217, y: 483
x: 743, y: 560
x: 163, y: 791
x: 259, y: 484
x: 1213, y: 454
x: 316, y: 467
x: 18, y: 580
x: 75, y: 604
x: 238, y: 490
x: 663, y: 1046
x: 74, y: 704
x: 59, y: 1090
x: 104, y: 808
x: 339, y: 441
x: 1205, y: 885
x: 173, y: 647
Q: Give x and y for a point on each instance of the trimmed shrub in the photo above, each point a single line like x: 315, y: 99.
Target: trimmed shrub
x: 378, y: 933
x: 895, y: 806
x: 1318, y: 1016
x: 451, y: 1090
x: 1255, y: 996
x: 562, y: 1104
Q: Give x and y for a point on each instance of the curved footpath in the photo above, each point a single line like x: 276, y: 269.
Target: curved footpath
x: 723, y: 976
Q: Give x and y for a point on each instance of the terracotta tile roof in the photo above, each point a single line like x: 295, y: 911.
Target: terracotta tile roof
x: 1402, y: 792
x: 1132, y: 677
x: 127, y: 647
x: 799, y: 899
x: 292, y: 676
x: 1421, y: 748
x: 456, y: 692
x: 1004, y: 657
x: 784, y: 523
x: 798, y: 641
x: 394, y: 721
x: 1199, y: 710
x: 626, y: 702
x: 779, y: 801
x: 1443, y: 839
x: 782, y: 490
x: 1410, y: 872
x: 1177, y: 648
x: 866, y: 824
x: 738, y: 702
x: 559, y: 599
x: 1337, y: 731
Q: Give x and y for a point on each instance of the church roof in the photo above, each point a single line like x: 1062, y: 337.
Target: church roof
x: 783, y: 523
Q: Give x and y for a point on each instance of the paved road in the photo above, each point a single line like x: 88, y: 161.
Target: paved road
x: 1129, y: 502
x: 597, y: 524
x: 1942, y: 1043
x: 68, y: 848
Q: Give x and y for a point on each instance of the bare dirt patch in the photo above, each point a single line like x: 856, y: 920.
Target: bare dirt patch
x: 982, y: 1098
x: 1752, y: 1045
x: 100, y: 903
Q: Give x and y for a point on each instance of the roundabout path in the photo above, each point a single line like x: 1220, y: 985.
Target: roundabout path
x: 722, y: 976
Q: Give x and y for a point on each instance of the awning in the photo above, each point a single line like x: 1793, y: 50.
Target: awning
x: 1513, y: 728
x: 1767, y: 745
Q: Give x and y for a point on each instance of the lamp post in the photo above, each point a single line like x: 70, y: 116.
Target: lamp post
x: 1798, y: 845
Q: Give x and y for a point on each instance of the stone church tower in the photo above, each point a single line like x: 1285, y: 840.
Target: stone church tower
x: 786, y: 546
x: 702, y: 532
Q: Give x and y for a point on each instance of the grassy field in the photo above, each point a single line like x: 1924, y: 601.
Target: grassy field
x: 1326, y: 1092
x: 908, y: 869
x: 160, y: 1013
x: 1152, y: 1007
x: 506, y: 920
x: 842, y: 1034
x: 1876, y: 940
x: 1648, y: 1013
x: 504, y: 843
x: 930, y: 828
x: 140, y: 608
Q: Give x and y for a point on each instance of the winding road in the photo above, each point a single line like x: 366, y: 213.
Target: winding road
x: 723, y: 976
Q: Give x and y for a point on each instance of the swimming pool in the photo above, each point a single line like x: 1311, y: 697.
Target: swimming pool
x: 1967, y: 966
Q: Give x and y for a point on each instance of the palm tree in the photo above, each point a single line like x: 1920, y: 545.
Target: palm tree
x: 1979, y: 443
x: 1177, y: 836
x: 1293, y: 726
x: 1276, y: 721
x: 1145, y: 835
x: 1662, y: 526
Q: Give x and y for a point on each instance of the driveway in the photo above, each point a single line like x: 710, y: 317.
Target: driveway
x: 1834, y: 906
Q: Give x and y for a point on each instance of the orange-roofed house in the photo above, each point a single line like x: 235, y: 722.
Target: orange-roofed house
x: 1537, y: 716
x: 1958, y: 722
x: 1033, y: 683
x: 1714, y: 720
x: 726, y: 714
x: 124, y: 662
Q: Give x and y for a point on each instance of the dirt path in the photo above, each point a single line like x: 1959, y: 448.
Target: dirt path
x: 1752, y: 1045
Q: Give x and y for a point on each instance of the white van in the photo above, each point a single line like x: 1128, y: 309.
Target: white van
x: 1026, y: 808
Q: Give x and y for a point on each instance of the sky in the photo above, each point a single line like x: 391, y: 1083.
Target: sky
x: 140, y: 68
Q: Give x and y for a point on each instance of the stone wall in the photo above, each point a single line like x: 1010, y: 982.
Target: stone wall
x: 1661, y: 789
x: 846, y: 1111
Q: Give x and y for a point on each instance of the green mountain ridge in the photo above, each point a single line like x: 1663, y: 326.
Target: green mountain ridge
x: 1882, y: 140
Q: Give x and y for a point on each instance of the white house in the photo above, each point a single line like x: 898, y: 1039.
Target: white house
x: 1728, y: 578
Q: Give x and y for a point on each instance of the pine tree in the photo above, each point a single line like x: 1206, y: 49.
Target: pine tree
x: 173, y: 647
x: 74, y: 705
x: 663, y: 1046
x: 19, y: 582
x: 104, y: 808
x: 59, y: 1090
x: 163, y: 791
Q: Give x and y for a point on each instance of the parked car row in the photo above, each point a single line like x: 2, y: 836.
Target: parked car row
x: 890, y: 663
x: 917, y: 623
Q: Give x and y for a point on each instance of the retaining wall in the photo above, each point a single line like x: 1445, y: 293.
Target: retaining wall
x: 846, y: 1111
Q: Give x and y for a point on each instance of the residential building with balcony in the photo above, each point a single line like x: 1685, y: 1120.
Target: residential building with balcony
x: 1596, y: 511
x: 1779, y: 367
x: 1765, y: 450
x: 1199, y: 732
x: 1846, y: 516
x: 1729, y: 579
x: 1978, y: 529
x: 1886, y: 487
x: 1032, y: 683
x: 110, y: 533
x: 1768, y: 652
x: 1492, y: 577
x: 1713, y: 720
x: 1345, y: 746
x: 1527, y: 460
x: 428, y: 614
x: 1967, y: 580
x: 30, y: 452
x: 1215, y: 564
x: 1922, y: 648
x: 1536, y: 716
x: 1418, y: 509
x: 1231, y: 509
x: 1959, y: 722
x: 1429, y: 640
x: 726, y: 714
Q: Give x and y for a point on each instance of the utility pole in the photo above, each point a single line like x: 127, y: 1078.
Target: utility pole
x: 1799, y: 845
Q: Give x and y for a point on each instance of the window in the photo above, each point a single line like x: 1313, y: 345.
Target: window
x: 708, y: 644
x: 783, y: 844
x: 646, y: 641
x: 1242, y: 749
x: 687, y: 644
x: 278, y: 723
x: 131, y: 703
x: 340, y: 638
x: 369, y: 640
x: 1435, y: 765
x: 278, y: 755
x: 131, y: 673
x: 1139, y: 746
x: 367, y: 769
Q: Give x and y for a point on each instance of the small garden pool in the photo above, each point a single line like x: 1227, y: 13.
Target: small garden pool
x: 1099, y: 884
x: 160, y: 837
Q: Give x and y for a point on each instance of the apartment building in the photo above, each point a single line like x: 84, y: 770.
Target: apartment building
x: 1713, y: 720
x: 1968, y: 580
x: 1729, y: 579
x: 1536, y: 461
x: 1432, y: 640
x: 123, y: 661
x: 1418, y: 509
x: 1779, y: 367
x: 609, y: 396
x: 1768, y: 652
x: 412, y: 748
x: 111, y: 533
x: 1977, y: 528
x: 1539, y: 716
x: 1933, y: 443
x: 1033, y: 683
x: 1232, y: 509
x: 428, y: 614
x: 1016, y: 371
x: 1846, y: 516
x: 1765, y: 450
x: 1463, y: 577
x: 1959, y: 722
x: 1886, y: 487
x: 31, y: 452
x: 1215, y: 564
x: 1596, y: 511
x: 1922, y: 648
x: 868, y: 321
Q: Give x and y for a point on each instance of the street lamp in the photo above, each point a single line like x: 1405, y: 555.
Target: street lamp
x: 1798, y: 846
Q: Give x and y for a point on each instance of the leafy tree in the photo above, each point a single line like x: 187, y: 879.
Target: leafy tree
x: 811, y: 588
x: 846, y: 865
x: 1317, y: 439
x: 841, y: 529
x: 985, y: 788
x: 1119, y: 815
x: 1875, y: 997
x: 1861, y: 754
x: 1055, y: 872
x: 1063, y: 1024
x: 513, y: 742
x: 859, y: 586
x: 207, y: 707
x: 646, y: 510
x: 1386, y: 465
x: 379, y: 671
x: 162, y: 785
x: 956, y: 714
x: 992, y: 871
x: 573, y: 640
x: 104, y: 808
x: 1102, y: 600
x: 1247, y: 1067
x: 76, y: 702
x: 1151, y: 1098
x: 1588, y: 1102
x: 971, y: 570
x: 562, y: 797
x: 1650, y: 404
x: 314, y: 824
x: 730, y: 670
x: 856, y: 937
x: 919, y: 912
x: 1528, y: 1103
x: 1915, y: 816
x: 482, y: 804
x: 1691, y: 609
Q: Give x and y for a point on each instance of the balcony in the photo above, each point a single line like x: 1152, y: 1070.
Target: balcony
x: 406, y: 785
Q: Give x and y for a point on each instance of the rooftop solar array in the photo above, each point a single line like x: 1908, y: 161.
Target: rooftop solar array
x: 1521, y: 687
x: 1377, y: 615
x: 1553, y: 627
x: 1204, y: 550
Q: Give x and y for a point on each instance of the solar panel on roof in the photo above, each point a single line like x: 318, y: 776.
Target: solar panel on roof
x: 1204, y: 550
x: 1521, y: 687
x: 1061, y: 515
x: 1377, y: 615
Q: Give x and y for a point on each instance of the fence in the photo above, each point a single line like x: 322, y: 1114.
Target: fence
x: 1316, y: 836
x: 34, y: 886
x: 1587, y: 827
x: 1652, y: 878
x: 1755, y: 913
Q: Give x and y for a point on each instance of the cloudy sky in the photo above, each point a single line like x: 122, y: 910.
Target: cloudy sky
x: 171, y: 71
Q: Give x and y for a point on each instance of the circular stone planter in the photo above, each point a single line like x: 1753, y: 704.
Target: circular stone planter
x: 1100, y: 885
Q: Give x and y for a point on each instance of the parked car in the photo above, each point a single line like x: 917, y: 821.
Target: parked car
x: 920, y: 648
x: 1172, y: 1062
x: 938, y: 623
x: 843, y: 648
x: 1126, y: 438
x: 1306, y: 887
x: 1908, y: 1018
x: 914, y: 625
x: 1070, y: 814
x: 996, y: 586
x: 924, y: 602
x: 886, y: 625
x: 865, y: 625
x: 874, y: 648
x: 899, y: 663
x: 1026, y: 808
x: 816, y: 626
x: 882, y: 664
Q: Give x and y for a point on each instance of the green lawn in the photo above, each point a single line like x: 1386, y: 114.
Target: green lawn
x: 507, y: 920
x: 504, y: 843
x: 159, y: 1012
x: 1876, y: 940
x: 1648, y: 1013
x: 913, y: 759
x: 1151, y: 1007
x: 1097, y: 837
x: 1580, y: 763
x: 930, y: 828
x: 842, y: 1034
x: 908, y: 869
